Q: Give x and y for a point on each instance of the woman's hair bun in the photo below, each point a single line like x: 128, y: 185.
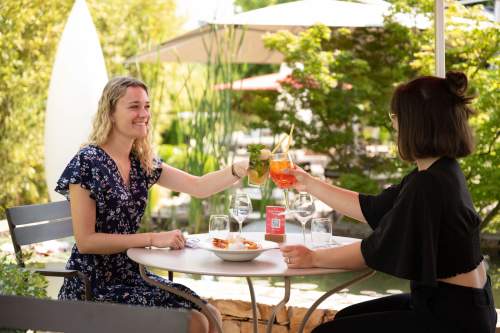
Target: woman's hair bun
x: 457, y: 82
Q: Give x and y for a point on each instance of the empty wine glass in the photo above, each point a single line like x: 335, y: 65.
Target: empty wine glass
x: 303, y: 210
x: 240, y: 207
x: 321, y: 232
x: 218, y: 226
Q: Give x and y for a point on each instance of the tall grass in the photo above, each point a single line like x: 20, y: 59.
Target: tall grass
x: 213, y: 121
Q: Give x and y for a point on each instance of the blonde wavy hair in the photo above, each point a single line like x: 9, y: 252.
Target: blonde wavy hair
x: 102, y: 125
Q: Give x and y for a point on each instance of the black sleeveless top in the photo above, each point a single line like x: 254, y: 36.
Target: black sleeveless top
x: 424, y: 228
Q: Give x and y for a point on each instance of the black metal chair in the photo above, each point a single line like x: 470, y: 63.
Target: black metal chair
x: 81, y: 317
x: 39, y: 223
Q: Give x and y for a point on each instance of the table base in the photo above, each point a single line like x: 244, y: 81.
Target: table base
x: 255, y: 314
x: 195, y: 300
x: 286, y: 298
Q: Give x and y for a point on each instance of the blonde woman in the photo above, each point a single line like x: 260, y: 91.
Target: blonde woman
x: 107, y: 183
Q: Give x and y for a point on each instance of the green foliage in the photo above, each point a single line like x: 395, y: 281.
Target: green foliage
x: 174, y: 155
x: 29, y: 32
x: 247, y: 5
x: 212, y: 119
x: 20, y: 281
x: 363, y: 184
x: 175, y: 134
x: 473, y: 45
x: 127, y: 28
x: 346, y: 77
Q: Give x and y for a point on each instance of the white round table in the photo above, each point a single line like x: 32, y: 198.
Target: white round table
x: 268, y: 264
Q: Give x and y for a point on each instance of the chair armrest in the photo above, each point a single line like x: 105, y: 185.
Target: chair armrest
x: 69, y: 273
x: 56, y: 272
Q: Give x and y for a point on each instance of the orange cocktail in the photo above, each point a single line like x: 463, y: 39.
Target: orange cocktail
x: 281, y: 179
x: 277, y: 165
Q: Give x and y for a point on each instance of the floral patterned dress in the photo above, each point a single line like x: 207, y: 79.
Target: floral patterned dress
x: 119, y: 209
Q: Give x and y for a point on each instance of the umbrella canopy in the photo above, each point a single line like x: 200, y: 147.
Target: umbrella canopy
x: 269, y: 82
x: 209, y: 42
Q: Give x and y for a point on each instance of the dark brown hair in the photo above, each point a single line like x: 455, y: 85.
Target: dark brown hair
x: 432, y: 115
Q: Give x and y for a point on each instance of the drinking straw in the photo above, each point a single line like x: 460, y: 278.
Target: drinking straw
x: 279, y: 144
x: 289, y: 139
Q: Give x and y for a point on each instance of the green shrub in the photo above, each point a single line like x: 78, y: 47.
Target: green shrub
x: 20, y: 281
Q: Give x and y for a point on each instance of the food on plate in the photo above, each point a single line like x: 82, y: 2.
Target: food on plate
x: 235, y: 243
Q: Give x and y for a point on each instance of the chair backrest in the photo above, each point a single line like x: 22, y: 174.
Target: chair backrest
x: 79, y: 316
x: 38, y: 223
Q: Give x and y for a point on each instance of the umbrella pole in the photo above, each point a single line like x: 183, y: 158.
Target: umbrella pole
x: 439, y: 38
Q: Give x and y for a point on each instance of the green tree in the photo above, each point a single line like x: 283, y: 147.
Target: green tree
x: 126, y: 28
x: 29, y: 34
x: 473, y: 46
x: 346, y: 77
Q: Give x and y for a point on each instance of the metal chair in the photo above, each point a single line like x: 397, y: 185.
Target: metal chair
x: 81, y: 317
x: 39, y: 223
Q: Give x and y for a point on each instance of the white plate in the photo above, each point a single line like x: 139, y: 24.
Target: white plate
x: 238, y: 255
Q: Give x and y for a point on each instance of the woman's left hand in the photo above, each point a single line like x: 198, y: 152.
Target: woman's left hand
x: 297, y: 256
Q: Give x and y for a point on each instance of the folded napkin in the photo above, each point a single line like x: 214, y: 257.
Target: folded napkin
x: 192, y: 242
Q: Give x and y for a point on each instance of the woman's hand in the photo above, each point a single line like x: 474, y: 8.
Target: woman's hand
x: 303, y: 178
x: 173, y: 239
x: 241, y: 168
x: 297, y: 256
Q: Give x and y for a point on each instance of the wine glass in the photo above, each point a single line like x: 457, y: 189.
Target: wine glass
x: 218, y: 226
x: 278, y: 163
x: 240, y: 207
x: 321, y: 231
x: 303, y: 210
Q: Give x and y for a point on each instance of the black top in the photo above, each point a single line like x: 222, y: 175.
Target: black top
x: 425, y: 228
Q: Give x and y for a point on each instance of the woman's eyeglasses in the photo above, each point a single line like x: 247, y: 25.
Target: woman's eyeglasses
x: 392, y: 116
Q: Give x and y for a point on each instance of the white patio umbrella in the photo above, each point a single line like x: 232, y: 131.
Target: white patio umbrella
x: 206, y: 44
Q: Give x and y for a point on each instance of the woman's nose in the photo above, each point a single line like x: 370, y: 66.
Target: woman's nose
x: 144, y: 112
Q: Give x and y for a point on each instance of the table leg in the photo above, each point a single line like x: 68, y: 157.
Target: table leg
x: 281, y: 304
x: 254, y: 306
x: 313, y: 307
x: 189, y: 297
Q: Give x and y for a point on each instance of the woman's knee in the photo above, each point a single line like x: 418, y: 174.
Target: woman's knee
x: 215, y: 311
x: 198, y: 323
x: 217, y: 315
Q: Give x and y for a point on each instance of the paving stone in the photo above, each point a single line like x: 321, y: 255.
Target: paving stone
x: 231, y: 326
x: 296, y: 315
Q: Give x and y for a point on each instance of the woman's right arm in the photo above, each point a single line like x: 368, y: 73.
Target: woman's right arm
x: 344, y: 201
x: 88, y: 241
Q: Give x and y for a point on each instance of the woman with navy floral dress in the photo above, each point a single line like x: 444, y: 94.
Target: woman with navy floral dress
x: 107, y: 184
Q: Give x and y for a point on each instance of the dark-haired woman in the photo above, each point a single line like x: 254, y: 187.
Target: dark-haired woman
x: 425, y: 228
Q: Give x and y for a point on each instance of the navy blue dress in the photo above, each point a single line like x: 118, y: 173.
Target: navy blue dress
x: 119, y: 209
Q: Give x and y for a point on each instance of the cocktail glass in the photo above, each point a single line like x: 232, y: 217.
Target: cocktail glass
x: 277, y: 164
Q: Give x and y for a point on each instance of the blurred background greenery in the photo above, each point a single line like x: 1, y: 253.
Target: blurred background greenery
x: 346, y: 78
